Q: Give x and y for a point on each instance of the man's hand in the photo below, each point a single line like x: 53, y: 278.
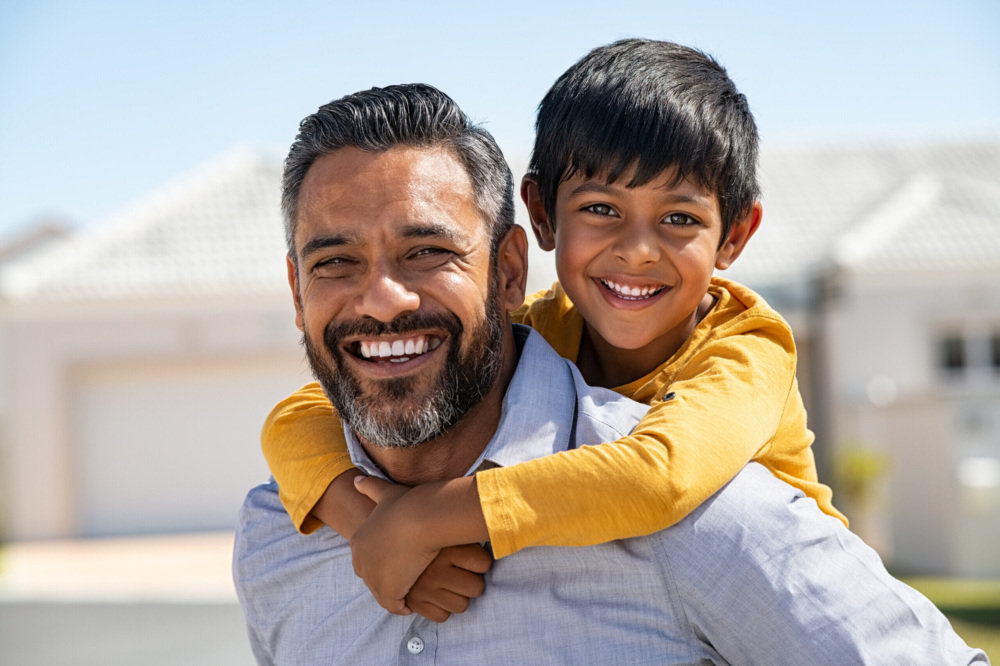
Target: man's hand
x: 398, y: 550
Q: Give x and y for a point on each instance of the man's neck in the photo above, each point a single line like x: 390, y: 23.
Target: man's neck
x: 452, y: 454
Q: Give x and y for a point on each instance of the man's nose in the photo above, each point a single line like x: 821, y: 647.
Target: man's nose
x: 637, y: 243
x: 385, y: 297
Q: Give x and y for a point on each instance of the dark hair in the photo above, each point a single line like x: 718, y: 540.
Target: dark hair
x: 402, y: 115
x: 653, y: 106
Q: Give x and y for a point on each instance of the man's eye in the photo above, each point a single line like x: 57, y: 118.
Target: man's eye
x: 680, y: 219
x: 600, y: 209
x: 331, y: 264
x: 428, y: 252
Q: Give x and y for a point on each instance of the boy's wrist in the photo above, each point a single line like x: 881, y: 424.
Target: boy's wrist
x: 448, y: 513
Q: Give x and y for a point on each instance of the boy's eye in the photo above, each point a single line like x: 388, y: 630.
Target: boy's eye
x: 600, y: 209
x: 680, y: 219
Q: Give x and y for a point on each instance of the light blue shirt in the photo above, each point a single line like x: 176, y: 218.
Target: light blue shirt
x: 756, y: 575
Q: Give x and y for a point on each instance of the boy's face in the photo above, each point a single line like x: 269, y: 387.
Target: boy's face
x: 637, y: 261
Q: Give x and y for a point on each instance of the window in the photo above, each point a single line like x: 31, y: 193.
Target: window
x: 971, y: 355
x: 951, y: 354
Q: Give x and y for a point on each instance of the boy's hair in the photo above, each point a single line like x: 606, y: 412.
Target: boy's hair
x: 402, y: 115
x: 654, y: 106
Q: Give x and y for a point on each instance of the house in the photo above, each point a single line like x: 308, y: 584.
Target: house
x: 887, y: 262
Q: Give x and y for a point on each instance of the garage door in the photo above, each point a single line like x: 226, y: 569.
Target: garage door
x: 174, y: 446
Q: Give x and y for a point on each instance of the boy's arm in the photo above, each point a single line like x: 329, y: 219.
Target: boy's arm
x: 303, y: 443
x: 726, y: 409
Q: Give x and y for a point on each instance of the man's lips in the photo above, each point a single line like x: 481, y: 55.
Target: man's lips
x: 394, y: 349
x: 631, y: 292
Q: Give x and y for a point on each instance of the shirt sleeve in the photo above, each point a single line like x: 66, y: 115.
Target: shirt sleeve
x: 303, y: 442
x: 725, y: 409
x: 765, y: 578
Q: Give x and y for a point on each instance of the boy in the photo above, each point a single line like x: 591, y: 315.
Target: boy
x: 643, y: 181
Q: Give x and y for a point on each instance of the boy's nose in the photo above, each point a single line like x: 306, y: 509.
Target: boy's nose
x: 637, y: 244
x: 384, y: 296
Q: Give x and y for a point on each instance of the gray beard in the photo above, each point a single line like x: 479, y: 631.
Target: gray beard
x: 374, y: 416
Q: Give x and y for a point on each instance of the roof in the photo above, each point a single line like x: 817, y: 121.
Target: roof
x: 893, y: 209
x: 868, y: 210
x: 217, y: 229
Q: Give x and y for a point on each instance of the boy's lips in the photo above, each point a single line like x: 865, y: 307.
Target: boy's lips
x: 633, y: 291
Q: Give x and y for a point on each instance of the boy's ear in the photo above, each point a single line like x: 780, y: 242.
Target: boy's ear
x: 293, y: 282
x: 739, y: 235
x: 540, y: 222
x: 512, y: 268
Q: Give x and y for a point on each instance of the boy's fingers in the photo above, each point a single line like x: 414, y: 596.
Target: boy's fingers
x: 376, y: 489
x: 464, y: 583
x: 396, y: 606
x: 431, y: 612
x: 471, y: 557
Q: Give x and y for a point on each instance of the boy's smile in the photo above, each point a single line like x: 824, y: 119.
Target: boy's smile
x: 637, y: 263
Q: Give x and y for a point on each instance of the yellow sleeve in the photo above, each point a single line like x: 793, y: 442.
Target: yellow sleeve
x: 726, y: 409
x: 303, y: 442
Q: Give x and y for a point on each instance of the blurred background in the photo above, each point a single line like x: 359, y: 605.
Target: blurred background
x: 146, y: 326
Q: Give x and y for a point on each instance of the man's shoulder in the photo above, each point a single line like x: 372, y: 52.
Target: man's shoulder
x: 603, y: 415
x: 752, y: 509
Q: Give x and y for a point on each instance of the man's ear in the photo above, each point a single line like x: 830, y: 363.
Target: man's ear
x: 512, y: 268
x: 293, y: 282
x: 739, y: 235
x: 540, y: 222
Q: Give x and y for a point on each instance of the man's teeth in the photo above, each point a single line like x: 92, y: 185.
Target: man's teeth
x: 631, y: 292
x: 399, y: 350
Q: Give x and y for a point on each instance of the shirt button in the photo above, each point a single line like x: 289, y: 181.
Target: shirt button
x: 415, y: 646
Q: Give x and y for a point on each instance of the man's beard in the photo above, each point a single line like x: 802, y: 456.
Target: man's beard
x: 377, y: 416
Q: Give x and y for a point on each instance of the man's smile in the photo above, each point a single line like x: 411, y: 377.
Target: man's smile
x: 394, y: 350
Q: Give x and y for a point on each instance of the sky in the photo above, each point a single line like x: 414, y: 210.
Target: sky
x: 101, y: 102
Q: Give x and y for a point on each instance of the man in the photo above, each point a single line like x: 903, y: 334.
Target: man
x: 400, y: 224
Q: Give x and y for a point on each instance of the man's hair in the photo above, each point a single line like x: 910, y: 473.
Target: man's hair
x: 653, y: 106
x: 416, y: 115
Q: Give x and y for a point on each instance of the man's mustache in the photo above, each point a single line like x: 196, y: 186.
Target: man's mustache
x: 369, y: 327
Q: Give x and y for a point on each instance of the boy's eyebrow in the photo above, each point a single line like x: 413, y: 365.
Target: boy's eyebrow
x: 598, y: 187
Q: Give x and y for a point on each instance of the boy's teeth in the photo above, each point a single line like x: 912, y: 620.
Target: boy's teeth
x: 398, y: 350
x: 631, y: 292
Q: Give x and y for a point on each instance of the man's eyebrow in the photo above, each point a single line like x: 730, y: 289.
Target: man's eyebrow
x: 428, y: 230
x: 322, y: 242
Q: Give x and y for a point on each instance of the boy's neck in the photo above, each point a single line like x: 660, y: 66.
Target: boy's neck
x: 605, y: 365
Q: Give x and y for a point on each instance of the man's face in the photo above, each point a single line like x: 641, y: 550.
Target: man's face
x: 395, y: 294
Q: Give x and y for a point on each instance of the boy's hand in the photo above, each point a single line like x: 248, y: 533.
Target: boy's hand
x: 385, y: 549
x: 405, y: 534
x: 453, y: 578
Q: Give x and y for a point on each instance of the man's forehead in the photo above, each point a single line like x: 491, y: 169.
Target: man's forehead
x: 401, y: 167
x: 427, y: 190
